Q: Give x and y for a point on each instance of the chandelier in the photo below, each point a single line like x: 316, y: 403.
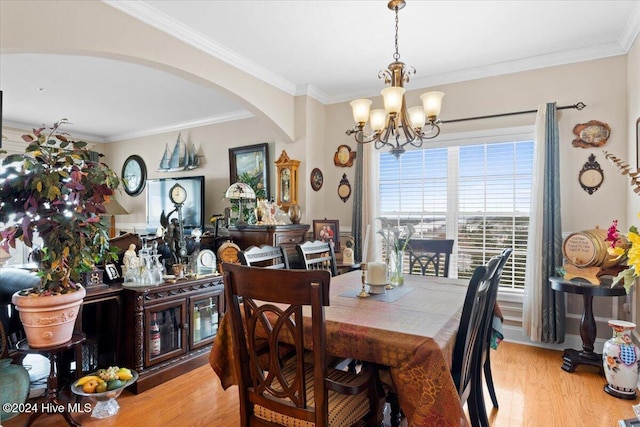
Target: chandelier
x: 396, y: 126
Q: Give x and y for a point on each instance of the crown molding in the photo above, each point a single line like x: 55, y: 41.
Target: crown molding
x: 28, y: 128
x: 313, y: 92
x: 229, y: 117
x: 631, y: 30
x: 168, y: 25
x: 525, y: 64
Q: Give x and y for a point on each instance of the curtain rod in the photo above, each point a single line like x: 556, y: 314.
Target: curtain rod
x: 579, y: 106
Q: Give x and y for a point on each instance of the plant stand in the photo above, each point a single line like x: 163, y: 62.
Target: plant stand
x: 52, y: 405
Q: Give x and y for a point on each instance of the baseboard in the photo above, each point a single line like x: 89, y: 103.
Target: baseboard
x: 514, y: 334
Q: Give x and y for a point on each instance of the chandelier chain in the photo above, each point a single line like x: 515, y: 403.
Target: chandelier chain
x: 396, y: 56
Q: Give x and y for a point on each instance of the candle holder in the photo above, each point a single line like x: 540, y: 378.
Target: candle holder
x: 363, y: 293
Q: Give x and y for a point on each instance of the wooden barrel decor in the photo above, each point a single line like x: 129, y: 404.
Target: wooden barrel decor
x: 588, y: 248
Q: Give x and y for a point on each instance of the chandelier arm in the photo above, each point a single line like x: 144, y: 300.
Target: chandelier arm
x: 363, y: 138
x: 428, y: 135
x: 409, y: 134
x: 383, y: 137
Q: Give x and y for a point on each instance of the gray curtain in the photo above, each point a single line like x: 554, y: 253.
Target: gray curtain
x: 553, y: 309
x: 356, y: 218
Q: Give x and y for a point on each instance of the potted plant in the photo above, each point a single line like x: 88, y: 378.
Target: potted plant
x: 57, y: 190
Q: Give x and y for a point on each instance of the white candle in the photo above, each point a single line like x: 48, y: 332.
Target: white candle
x: 376, y: 273
x: 366, y: 245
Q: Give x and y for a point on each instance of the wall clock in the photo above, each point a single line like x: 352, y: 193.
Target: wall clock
x: 344, y: 188
x: 344, y: 156
x: 134, y: 175
x: 591, y: 175
x: 316, y: 179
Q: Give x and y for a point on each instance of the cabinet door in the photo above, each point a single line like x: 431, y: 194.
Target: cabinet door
x: 205, y: 311
x: 165, y: 326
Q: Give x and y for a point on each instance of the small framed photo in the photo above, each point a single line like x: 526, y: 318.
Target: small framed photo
x: 112, y: 272
x: 327, y: 230
x: 250, y: 164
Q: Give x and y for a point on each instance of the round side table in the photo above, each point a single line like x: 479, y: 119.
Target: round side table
x: 52, y: 405
x: 572, y: 358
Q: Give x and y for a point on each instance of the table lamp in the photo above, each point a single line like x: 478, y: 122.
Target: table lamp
x: 114, y: 208
x: 240, y: 191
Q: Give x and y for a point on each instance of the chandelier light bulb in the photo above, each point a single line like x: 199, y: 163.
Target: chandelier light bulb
x: 417, y: 117
x: 360, y: 109
x: 393, y: 97
x: 432, y: 103
x: 378, y: 120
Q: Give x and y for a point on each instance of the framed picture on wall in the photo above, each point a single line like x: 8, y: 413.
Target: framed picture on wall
x: 250, y: 164
x: 327, y: 230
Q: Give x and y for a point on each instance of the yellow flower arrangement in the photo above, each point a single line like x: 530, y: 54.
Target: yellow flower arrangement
x: 629, y: 275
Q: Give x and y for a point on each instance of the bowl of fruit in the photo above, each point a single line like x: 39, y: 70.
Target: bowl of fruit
x: 103, y: 387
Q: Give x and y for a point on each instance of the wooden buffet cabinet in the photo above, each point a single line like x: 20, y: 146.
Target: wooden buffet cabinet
x: 287, y: 236
x: 186, y: 313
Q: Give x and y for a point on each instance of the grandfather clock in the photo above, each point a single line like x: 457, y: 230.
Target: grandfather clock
x: 287, y: 181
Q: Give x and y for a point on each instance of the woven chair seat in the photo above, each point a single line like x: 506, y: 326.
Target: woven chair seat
x: 344, y: 410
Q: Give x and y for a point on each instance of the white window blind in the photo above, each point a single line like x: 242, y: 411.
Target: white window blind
x: 478, y: 195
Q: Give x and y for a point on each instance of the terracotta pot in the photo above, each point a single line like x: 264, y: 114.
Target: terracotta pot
x: 48, y: 320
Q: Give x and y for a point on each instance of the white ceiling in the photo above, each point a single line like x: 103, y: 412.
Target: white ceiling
x: 331, y: 50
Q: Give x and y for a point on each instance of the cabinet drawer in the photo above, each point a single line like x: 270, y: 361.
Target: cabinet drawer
x: 287, y: 239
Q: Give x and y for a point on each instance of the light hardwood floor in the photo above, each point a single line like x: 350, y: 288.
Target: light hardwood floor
x: 532, y: 391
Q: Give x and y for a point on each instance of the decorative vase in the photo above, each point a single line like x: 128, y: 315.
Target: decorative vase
x: 621, y: 361
x: 295, y: 214
x: 14, y: 390
x: 396, y: 265
x: 48, y: 320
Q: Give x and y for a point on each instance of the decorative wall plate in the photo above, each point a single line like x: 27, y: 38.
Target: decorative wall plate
x: 591, y: 175
x: 344, y: 156
x: 316, y: 179
x: 591, y: 134
x: 344, y: 188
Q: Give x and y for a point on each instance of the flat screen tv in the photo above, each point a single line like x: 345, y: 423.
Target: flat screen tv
x: 158, y: 201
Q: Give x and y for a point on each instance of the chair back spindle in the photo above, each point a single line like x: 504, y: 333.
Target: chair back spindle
x: 318, y: 255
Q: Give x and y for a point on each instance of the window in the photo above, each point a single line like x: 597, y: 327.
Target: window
x: 477, y: 193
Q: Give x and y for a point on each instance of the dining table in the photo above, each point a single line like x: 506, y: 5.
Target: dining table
x: 411, y: 329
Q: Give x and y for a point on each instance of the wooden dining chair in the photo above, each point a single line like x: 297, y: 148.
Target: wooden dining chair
x: 297, y: 388
x: 318, y: 256
x: 430, y: 257
x: 468, y: 346
x: 264, y: 256
x: 487, y: 322
x: 466, y: 357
